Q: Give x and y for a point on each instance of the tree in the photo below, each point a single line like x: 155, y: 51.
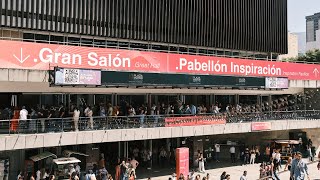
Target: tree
x: 310, y: 56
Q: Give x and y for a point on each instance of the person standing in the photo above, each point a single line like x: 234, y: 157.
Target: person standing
x: 252, y: 156
x: 244, y: 176
x: 163, y: 157
x: 23, y: 117
x: 201, y: 163
x: 15, y: 120
x: 246, y: 156
x: 89, y: 113
x: 76, y: 116
x: 217, y: 150
x: 299, y: 169
x: 267, y: 154
x: 233, y: 154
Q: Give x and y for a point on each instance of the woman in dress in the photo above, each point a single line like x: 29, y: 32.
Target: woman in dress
x: 15, y: 120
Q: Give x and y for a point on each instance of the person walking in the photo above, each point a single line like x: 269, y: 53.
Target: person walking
x: 299, y: 169
x: 309, y: 150
x: 244, y: 176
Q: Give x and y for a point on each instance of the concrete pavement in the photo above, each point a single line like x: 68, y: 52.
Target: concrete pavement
x: 237, y: 170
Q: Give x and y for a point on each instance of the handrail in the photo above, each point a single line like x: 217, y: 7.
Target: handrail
x: 44, y: 125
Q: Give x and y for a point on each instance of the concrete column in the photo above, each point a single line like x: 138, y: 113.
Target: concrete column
x: 125, y: 149
x: 156, y: 100
x: 119, y: 149
x: 178, y: 142
x: 150, y: 147
x: 194, y: 100
x: 270, y: 101
x: 168, y: 143
x: 144, y: 143
x: 91, y: 99
x: 78, y: 100
x: 114, y: 99
x: 259, y: 99
x: 211, y: 99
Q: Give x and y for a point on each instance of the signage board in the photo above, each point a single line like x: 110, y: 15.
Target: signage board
x: 110, y: 78
x: 67, y: 76
x: 193, y: 121
x: 277, y: 83
x: 182, y: 161
x: 260, y: 126
x: 39, y: 56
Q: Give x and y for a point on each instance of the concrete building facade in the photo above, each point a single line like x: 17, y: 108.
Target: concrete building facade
x: 293, y: 47
x: 313, y: 32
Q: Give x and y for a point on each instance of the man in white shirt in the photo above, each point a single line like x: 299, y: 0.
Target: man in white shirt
x: 23, y: 118
x: 23, y: 113
x: 244, y: 176
x: 233, y: 154
x: 217, y: 149
x: 38, y: 175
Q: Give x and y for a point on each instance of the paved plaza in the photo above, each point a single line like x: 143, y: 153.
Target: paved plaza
x: 236, y: 172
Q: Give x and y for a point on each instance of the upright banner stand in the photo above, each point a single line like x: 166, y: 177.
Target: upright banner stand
x: 182, y: 161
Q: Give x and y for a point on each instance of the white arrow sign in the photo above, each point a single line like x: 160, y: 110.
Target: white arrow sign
x: 21, y: 59
x: 316, y: 72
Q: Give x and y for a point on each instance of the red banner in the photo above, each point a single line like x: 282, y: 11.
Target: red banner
x: 38, y: 56
x: 260, y: 126
x: 193, y: 121
x: 182, y: 162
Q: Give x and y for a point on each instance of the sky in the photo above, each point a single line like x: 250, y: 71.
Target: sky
x: 298, y: 10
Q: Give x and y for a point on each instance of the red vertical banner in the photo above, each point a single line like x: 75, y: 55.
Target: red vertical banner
x: 182, y: 161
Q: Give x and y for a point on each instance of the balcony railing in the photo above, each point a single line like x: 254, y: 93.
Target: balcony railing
x: 53, y: 125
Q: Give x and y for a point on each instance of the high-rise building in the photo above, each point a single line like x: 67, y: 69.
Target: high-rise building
x: 301, y: 42
x: 313, y: 32
x: 293, y: 48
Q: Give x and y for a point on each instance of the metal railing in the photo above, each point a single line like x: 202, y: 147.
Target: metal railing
x: 52, y: 125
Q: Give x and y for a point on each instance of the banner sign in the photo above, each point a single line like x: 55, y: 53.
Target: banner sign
x: 193, y: 121
x: 156, y: 79
x: 65, y: 76
x: 39, y: 56
x: 260, y: 126
x: 182, y: 162
x: 277, y: 83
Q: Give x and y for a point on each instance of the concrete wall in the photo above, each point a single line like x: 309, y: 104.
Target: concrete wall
x: 13, y: 142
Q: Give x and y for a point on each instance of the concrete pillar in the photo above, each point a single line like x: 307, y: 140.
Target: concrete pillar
x: 78, y: 100
x: 114, y: 99
x: 211, y: 99
x: 91, y: 99
x: 150, y: 147
x: 259, y: 99
x: 178, y: 142
x: 119, y: 149
x: 168, y: 147
x: 156, y: 100
x: 194, y: 100
x: 269, y: 102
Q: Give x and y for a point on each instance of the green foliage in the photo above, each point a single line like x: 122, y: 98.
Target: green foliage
x: 310, y: 56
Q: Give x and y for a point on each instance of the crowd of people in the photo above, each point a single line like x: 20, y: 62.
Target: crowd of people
x: 50, y: 118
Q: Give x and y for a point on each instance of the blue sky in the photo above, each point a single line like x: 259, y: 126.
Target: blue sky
x: 297, y: 10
